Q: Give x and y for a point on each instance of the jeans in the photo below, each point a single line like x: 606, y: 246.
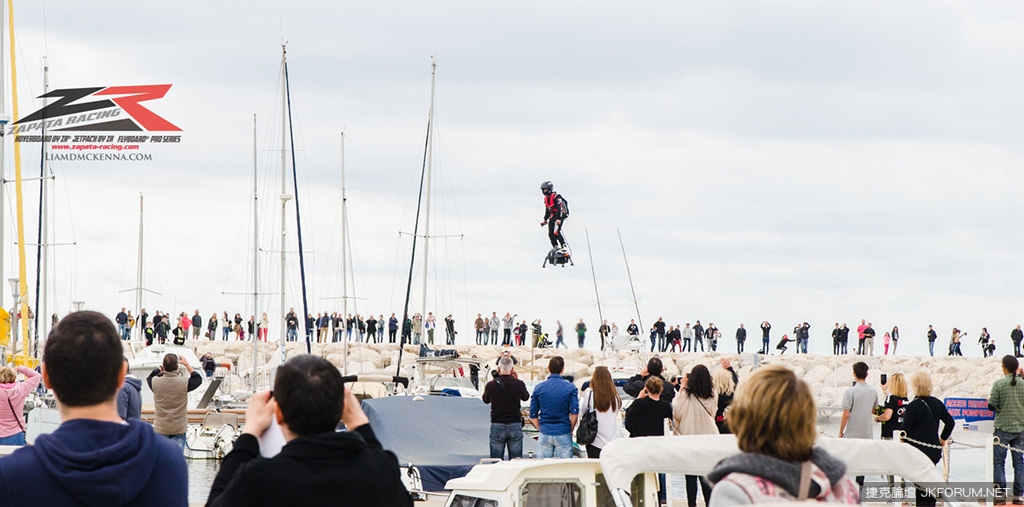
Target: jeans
x: 765, y: 343
x: 293, y: 334
x: 178, y: 439
x: 507, y: 434
x: 931, y: 348
x: 554, y: 446
x: 481, y: 337
x: 122, y: 329
x: 494, y: 337
x: 15, y: 439
x: 999, y: 461
x: 801, y: 345
x: 226, y: 331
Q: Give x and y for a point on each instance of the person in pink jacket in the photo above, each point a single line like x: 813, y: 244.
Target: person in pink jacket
x: 12, y: 407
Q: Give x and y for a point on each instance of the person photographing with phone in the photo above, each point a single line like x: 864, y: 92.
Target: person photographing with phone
x: 318, y: 465
x: 170, y: 397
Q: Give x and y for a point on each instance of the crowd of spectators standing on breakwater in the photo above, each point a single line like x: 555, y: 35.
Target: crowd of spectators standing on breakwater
x: 100, y: 452
x: 510, y: 329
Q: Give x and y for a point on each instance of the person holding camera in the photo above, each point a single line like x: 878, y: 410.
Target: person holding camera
x: 504, y: 394
x: 318, y: 465
x: 170, y: 397
x: 636, y: 383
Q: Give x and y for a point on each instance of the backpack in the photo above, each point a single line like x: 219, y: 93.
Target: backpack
x: 565, y: 204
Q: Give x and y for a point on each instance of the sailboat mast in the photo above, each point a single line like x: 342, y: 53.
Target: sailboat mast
x: 298, y: 218
x: 4, y: 122
x: 600, y: 315
x: 426, y: 208
x: 255, y: 254
x: 138, y: 273
x: 636, y: 304
x: 284, y: 191
x: 344, y: 258
x: 19, y: 199
x: 415, y: 230
x: 42, y: 259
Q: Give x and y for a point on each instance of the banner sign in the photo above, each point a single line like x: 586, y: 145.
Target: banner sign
x: 969, y: 409
x: 104, y: 123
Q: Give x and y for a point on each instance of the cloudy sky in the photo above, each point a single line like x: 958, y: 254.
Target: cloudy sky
x: 788, y: 161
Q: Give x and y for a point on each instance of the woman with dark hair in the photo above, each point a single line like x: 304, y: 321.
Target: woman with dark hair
x: 921, y: 424
x: 603, y: 399
x: 895, y: 334
x: 211, y: 327
x: 693, y: 412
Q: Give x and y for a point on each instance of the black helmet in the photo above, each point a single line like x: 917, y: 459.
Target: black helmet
x: 546, y: 187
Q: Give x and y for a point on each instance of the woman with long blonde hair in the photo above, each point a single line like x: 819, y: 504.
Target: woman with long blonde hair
x: 724, y: 381
x: 603, y: 398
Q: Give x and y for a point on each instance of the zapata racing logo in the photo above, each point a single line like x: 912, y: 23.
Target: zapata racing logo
x: 100, y: 109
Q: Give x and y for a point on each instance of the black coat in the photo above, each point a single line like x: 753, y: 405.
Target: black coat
x: 921, y: 422
x: 635, y: 384
x: 326, y: 469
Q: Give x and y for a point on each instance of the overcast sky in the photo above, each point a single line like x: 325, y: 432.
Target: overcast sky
x: 782, y: 161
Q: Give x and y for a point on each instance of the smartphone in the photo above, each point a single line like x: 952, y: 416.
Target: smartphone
x: 885, y: 378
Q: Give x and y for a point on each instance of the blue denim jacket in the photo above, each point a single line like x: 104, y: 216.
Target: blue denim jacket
x: 554, y: 400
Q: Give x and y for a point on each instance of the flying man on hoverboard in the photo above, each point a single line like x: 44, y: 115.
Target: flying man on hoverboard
x: 556, y: 210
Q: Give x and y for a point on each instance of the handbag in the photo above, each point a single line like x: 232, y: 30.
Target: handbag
x: 18, y: 417
x: 586, y: 432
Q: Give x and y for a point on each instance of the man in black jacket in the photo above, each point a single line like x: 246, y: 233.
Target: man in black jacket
x: 654, y: 368
x: 318, y: 466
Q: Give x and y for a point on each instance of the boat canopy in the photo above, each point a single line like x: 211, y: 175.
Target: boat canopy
x: 442, y: 436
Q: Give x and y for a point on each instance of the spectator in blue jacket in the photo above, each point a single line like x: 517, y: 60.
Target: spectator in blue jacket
x: 554, y: 408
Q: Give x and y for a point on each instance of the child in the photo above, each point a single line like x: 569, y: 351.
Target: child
x: 885, y: 341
